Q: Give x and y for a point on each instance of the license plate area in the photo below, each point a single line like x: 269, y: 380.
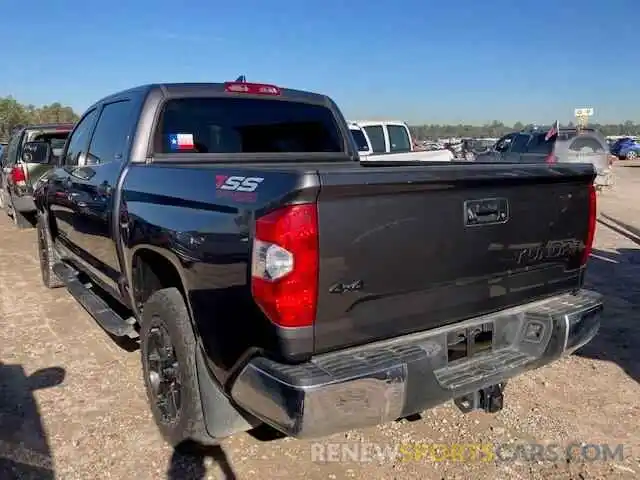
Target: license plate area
x: 469, y: 342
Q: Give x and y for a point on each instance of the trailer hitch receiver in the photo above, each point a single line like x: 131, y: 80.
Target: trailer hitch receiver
x: 490, y: 399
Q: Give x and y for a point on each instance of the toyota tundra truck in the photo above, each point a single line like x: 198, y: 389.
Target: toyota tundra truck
x: 270, y: 277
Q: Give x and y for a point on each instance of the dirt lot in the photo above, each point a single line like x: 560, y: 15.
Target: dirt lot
x: 86, y: 417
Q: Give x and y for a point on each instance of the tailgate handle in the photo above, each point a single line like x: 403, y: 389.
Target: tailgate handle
x: 486, y: 211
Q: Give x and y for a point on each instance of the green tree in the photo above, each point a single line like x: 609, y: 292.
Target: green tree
x: 14, y: 114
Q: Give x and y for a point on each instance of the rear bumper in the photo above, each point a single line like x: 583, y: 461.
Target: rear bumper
x: 381, y: 382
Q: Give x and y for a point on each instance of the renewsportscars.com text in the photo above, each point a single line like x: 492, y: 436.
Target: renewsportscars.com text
x: 361, y: 452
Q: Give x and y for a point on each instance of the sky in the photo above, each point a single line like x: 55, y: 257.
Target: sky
x: 422, y: 61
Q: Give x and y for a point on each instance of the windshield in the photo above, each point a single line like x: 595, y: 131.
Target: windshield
x: 360, y: 139
x: 238, y: 125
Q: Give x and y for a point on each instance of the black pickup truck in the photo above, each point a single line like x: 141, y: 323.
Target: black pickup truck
x: 271, y: 278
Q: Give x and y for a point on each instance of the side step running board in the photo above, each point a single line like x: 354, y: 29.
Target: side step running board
x: 97, y: 308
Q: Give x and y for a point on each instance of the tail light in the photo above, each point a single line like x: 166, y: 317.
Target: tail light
x: 284, y: 266
x: 251, y: 88
x: 588, y: 244
x: 17, y: 175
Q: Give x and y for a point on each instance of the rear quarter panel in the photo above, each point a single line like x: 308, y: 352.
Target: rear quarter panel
x: 206, y: 233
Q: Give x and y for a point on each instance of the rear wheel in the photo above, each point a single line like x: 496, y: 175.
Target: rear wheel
x: 168, y: 350
x: 632, y: 155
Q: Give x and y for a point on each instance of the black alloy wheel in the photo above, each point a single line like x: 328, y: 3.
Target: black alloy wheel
x: 163, y: 373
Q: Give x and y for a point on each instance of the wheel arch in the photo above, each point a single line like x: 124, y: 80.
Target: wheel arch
x: 150, y: 269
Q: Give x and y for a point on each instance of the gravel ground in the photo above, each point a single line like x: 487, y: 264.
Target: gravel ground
x: 72, y: 404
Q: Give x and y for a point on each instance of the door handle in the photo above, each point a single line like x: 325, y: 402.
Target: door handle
x: 486, y: 211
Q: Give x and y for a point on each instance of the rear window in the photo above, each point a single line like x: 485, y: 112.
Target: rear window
x: 55, y: 138
x: 238, y: 125
x: 586, y: 145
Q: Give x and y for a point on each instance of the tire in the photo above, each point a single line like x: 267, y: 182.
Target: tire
x: 165, y: 317
x: 632, y: 155
x: 46, y: 254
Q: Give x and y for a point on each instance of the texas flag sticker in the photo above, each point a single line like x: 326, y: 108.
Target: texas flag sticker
x: 181, y: 141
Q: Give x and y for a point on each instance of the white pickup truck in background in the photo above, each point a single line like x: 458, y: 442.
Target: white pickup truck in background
x: 391, y: 141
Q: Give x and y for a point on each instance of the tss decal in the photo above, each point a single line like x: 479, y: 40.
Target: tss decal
x: 237, y: 183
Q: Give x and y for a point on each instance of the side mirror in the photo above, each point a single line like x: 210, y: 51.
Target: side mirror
x: 36, y: 152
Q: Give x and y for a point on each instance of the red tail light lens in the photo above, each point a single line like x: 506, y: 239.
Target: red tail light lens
x: 284, y: 267
x: 251, y: 88
x: 588, y: 244
x: 17, y: 175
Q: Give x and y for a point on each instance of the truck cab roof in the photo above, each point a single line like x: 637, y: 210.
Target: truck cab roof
x: 195, y: 89
x: 368, y: 123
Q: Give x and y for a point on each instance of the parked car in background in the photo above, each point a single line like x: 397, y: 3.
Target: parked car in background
x: 390, y: 141
x: 563, y: 145
x: 20, y: 171
x: 626, y: 148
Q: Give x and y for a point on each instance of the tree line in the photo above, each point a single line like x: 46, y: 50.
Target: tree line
x: 14, y: 114
x: 496, y: 129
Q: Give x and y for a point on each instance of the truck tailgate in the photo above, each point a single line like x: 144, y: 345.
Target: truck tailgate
x: 406, y: 248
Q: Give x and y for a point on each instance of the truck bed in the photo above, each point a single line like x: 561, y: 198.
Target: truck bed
x: 403, y: 247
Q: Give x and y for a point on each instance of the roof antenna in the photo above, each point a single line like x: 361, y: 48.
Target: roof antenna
x: 241, y: 79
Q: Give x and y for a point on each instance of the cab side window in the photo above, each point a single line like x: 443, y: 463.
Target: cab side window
x: 376, y: 137
x: 519, y: 144
x: 111, y: 136
x: 398, y: 139
x: 504, y: 143
x: 79, y: 140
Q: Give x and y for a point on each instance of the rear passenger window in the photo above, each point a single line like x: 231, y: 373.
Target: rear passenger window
x: 586, y: 145
x: 398, y: 139
x: 376, y: 137
x: 111, y: 134
x: 540, y: 146
x: 519, y: 144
